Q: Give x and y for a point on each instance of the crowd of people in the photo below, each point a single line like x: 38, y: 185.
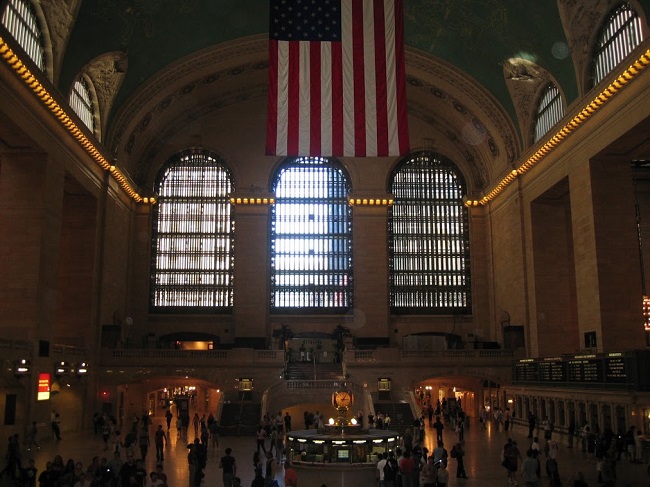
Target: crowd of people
x: 410, y: 465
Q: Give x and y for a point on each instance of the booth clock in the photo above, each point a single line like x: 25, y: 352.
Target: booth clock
x: 342, y: 400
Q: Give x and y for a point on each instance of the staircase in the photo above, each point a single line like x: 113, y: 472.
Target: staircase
x: 401, y: 416
x: 240, y: 418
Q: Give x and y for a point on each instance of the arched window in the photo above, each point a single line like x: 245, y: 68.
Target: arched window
x: 549, y: 111
x: 311, y: 238
x: 20, y: 20
x: 619, y: 36
x: 192, y: 255
x: 428, y: 238
x: 82, y: 104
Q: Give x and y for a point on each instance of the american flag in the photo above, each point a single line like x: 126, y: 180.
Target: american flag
x: 336, y: 78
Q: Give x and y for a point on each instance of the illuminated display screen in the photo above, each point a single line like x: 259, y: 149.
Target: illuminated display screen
x: 43, y: 393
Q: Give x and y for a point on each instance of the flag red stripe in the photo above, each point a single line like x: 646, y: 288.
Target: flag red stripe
x: 402, y: 115
x: 315, y: 99
x: 380, y: 79
x: 365, y: 113
x: 337, y: 98
x: 272, y: 105
x: 293, y: 103
x: 359, y: 80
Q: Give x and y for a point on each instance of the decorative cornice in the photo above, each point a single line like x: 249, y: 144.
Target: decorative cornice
x: 58, y: 112
x: 552, y: 142
x: 443, y: 72
x: 198, y: 68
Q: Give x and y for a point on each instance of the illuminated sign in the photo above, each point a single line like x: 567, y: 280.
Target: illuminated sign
x: 43, y: 387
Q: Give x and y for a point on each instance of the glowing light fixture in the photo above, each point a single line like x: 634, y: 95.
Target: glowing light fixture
x: 64, y: 119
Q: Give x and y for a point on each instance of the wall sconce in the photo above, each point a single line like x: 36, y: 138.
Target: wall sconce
x: 82, y: 369
x: 61, y: 369
x: 22, y: 367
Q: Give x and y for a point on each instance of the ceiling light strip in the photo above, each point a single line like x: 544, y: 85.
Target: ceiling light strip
x: 46, y: 98
x: 614, y: 87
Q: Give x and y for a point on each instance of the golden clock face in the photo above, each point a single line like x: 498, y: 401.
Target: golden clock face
x: 342, y: 399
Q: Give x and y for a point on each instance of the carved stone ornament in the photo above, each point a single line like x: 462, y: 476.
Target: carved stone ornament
x: 525, y: 81
x: 107, y: 73
x: 59, y: 18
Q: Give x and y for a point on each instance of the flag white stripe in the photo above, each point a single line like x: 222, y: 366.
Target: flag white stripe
x: 370, y: 77
x: 391, y: 76
x: 304, y: 97
x: 283, y: 97
x: 348, y: 78
x: 326, y: 97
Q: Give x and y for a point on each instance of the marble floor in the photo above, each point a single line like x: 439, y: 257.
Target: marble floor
x: 482, y: 463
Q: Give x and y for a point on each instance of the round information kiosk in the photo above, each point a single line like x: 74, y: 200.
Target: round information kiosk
x: 340, y: 443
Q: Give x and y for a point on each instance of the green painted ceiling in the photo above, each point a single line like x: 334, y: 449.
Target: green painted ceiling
x: 474, y: 35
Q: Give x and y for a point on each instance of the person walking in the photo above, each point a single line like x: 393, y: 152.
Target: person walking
x: 442, y: 476
x: 168, y: 418
x: 438, y: 426
x: 13, y: 458
x: 511, y: 459
x: 143, y: 443
x: 290, y: 475
x: 270, y: 469
x: 530, y: 469
x: 390, y: 470
x: 160, y: 440
x: 228, y: 465
x: 287, y: 422
x: 261, y: 437
x: 428, y: 473
x: 407, y: 469
x: 381, y: 464
x: 458, y: 453
x: 55, y: 419
x: 531, y: 424
x: 32, y: 437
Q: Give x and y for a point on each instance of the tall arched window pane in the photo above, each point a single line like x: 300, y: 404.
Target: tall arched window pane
x: 311, y: 238
x: 20, y: 20
x: 428, y: 238
x: 192, y: 255
x: 620, y: 35
x: 549, y: 111
x: 82, y: 104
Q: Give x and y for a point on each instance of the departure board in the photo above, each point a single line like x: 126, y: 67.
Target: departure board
x: 617, y: 369
x: 552, y: 371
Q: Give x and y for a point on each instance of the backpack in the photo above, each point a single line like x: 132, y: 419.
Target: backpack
x: 454, y: 452
x: 390, y: 469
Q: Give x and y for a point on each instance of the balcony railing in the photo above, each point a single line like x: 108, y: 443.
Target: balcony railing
x: 406, y: 356
x: 152, y: 357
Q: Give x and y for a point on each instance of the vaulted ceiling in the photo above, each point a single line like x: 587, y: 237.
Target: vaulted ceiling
x: 458, y: 52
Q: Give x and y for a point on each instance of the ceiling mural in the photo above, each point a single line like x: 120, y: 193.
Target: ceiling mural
x: 496, y: 53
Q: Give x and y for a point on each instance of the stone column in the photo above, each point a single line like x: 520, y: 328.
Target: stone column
x: 606, y: 255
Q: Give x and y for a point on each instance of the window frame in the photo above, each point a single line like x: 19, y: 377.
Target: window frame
x: 420, y: 267
x: 21, y: 21
x: 609, y: 50
x: 550, y: 110
x: 83, y: 102
x: 222, y: 218
x: 336, y: 277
